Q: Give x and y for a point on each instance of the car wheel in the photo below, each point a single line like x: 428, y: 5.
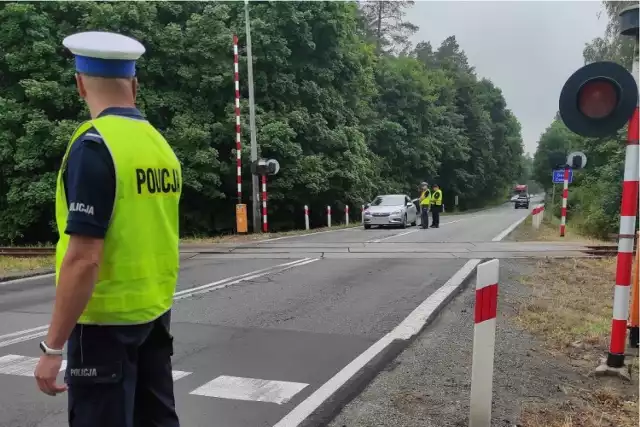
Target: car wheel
x: 367, y: 226
x: 415, y: 222
x: 404, y: 221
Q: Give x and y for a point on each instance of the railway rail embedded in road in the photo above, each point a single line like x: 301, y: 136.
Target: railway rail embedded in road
x: 17, y: 252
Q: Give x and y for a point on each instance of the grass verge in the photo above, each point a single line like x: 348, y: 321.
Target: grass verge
x: 549, y: 231
x: 10, y: 265
x: 570, y: 311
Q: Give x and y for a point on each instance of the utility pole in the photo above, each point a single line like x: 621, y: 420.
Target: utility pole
x: 255, y: 184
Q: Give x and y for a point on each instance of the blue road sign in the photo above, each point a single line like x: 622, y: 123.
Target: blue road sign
x: 558, y: 176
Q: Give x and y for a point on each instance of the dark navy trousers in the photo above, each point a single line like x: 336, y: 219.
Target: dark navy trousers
x: 120, y: 376
x: 424, y: 216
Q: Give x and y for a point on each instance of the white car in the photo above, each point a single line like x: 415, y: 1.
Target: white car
x: 396, y: 210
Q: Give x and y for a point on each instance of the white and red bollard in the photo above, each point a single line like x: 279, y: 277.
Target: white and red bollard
x: 328, y: 216
x: 306, y: 217
x: 484, y: 340
x: 265, y: 225
x: 537, y: 215
x: 346, y: 215
x: 565, y: 196
x: 362, y: 214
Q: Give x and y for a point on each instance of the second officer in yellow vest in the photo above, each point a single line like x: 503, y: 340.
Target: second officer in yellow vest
x: 436, y: 206
x: 117, y: 257
x: 425, y: 203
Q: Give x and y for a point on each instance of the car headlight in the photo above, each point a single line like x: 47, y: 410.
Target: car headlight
x: 367, y: 213
x: 396, y: 212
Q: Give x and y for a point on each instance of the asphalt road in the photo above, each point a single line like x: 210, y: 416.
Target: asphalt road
x: 255, y: 336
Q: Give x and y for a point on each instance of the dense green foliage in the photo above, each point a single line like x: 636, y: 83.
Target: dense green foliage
x: 344, y: 121
x: 594, y: 195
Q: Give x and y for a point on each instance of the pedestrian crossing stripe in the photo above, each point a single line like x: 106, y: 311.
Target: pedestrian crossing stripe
x: 252, y: 389
x: 222, y: 387
x: 13, y: 364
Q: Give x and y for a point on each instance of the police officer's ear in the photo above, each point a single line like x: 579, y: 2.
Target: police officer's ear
x: 134, y: 87
x: 82, y: 91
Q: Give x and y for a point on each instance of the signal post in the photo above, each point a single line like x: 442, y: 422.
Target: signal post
x: 596, y: 101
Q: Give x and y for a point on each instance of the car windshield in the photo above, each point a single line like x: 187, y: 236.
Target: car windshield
x: 388, y: 201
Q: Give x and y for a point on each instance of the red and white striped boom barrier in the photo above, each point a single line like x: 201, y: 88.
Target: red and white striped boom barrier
x: 565, y: 196
x: 306, y: 217
x: 537, y: 215
x: 265, y: 225
x: 328, y: 216
x: 346, y: 214
x: 484, y: 339
x: 236, y: 77
x: 628, y: 211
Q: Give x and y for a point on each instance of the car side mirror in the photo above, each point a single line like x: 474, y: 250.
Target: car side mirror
x: 409, y: 204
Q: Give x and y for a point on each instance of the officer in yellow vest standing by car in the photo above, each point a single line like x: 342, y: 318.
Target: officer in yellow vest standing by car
x: 436, y: 206
x: 117, y: 257
x: 425, y: 203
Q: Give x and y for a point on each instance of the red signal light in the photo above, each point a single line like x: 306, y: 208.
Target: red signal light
x: 598, y: 98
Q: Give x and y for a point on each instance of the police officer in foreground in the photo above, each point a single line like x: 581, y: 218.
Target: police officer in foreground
x: 436, y: 206
x: 117, y: 257
x: 425, y: 202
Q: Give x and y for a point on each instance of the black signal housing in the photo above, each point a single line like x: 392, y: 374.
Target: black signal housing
x: 598, y: 99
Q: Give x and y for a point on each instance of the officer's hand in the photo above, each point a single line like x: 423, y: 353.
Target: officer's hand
x: 46, y: 372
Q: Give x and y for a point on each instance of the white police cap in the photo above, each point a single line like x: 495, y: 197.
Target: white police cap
x: 104, y: 54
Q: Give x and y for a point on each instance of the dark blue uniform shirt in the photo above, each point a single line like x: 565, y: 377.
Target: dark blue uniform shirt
x: 89, y: 178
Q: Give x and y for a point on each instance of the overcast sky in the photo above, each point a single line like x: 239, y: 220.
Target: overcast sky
x: 527, y: 48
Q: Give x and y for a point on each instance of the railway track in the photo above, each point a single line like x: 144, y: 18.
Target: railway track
x: 603, y: 250
x: 26, y: 252
x: 17, y: 252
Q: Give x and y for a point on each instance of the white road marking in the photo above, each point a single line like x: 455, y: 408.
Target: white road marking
x: 40, y: 331
x: 13, y: 364
x: 27, y: 279
x: 509, y: 229
x: 23, y: 332
x: 351, y: 228
x: 23, y: 366
x: 243, y: 278
x: 251, y: 389
x: 417, y: 229
x: 179, y: 374
x: 409, y: 327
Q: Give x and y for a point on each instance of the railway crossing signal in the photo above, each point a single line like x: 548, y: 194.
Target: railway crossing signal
x: 598, y: 99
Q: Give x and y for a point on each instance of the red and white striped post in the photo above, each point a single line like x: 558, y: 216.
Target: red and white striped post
x: 306, y: 217
x: 484, y: 339
x: 346, y: 215
x: 565, y: 195
x: 265, y: 225
x: 536, y: 216
x: 236, y: 77
x: 328, y: 216
x: 628, y: 211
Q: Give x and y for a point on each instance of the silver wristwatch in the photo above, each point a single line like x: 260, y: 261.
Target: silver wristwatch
x: 50, y: 351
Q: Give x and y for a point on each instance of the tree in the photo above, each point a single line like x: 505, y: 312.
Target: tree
x: 594, y: 198
x: 385, y: 25
x: 344, y: 123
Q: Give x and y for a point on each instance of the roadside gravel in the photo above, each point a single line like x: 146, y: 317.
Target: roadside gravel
x: 428, y: 385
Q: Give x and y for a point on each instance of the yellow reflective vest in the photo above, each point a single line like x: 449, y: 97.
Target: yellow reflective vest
x: 436, y: 199
x: 425, y: 198
x: 139, y: 267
